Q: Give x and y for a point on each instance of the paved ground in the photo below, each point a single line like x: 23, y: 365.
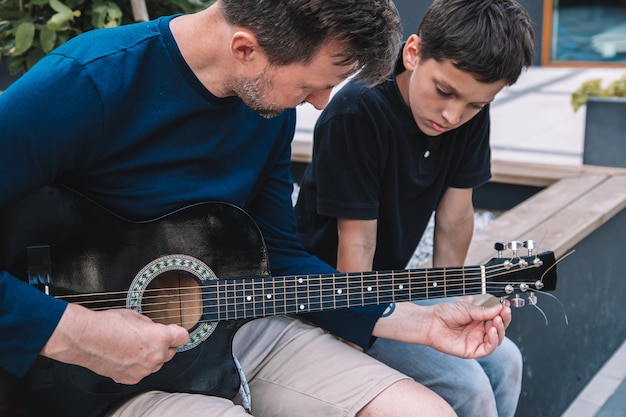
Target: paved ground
x: 534, y: 121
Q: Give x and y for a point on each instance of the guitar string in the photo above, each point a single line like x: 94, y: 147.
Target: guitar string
x: 449, y: 282
x: 377, y: 277
x: 241, y: 311
x: 257, y: 309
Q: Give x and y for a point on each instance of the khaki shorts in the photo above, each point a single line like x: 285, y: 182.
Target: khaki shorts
x: 292, y: 369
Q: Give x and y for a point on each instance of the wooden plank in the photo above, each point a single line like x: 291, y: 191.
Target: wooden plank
x: 583, y: 216
x: 521, y: 222
x: 542, y: 174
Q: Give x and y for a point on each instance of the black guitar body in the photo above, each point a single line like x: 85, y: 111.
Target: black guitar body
x: 104, y: 249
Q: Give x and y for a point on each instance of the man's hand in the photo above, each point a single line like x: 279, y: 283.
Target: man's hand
x: 457, y: 328
x: 121, y: 344
x: 467, y: 330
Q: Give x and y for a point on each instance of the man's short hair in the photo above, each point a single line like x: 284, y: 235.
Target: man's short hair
x: 291, y: 31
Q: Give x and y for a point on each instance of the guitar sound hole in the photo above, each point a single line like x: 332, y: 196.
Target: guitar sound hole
x: 173, y: 297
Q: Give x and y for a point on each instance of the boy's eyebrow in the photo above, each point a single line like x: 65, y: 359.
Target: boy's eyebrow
x: 451, y: 90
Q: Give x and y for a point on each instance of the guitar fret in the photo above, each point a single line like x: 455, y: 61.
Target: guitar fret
x: 257, y: 298
x: 308, y: 292
x: 401, y: 287
x: 370, y: 291
x: 463, y: 280
x: 362, y: 289
x: 244, y: 296
x: 385, y: 289
x: 291, y: 295
x: 315, y: 292
x: 279, y: 295
x: 354, y: 287
x: 301, y: 295
x: 417, y: 292
x: 340, y: 298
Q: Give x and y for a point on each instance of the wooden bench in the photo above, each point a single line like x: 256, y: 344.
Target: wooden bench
x: 575, y: 202
x: 580, y: 208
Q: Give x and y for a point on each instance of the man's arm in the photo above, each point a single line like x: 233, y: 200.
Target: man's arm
x: 457, y: 328
x: 454, y: 227
x: 92, y: 339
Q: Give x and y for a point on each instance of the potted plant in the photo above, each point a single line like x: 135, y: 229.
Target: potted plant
x: 29, y: 29
x: 605, y: 121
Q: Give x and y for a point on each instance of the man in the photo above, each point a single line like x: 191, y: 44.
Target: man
x: 385, y: 158
x: 146, y: 119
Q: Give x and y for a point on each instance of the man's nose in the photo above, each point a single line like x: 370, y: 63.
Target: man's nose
x: 319, y: 99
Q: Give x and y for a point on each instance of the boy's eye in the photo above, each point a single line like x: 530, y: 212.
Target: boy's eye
x: 443, y: 93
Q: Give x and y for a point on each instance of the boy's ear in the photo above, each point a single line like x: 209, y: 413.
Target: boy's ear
x: 411, y: 53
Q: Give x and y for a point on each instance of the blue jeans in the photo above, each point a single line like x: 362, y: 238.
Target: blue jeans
x: 486, y: 387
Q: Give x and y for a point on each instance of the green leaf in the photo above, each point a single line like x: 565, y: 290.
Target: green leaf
x: 59, y: 21
x: 16, y: 65
x: 47, y: 38
x: 24, y: 35
x: 107, y: 14
x: 59, y: 7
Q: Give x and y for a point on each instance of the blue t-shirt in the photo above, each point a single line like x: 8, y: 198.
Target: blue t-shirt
x: 118, y: 115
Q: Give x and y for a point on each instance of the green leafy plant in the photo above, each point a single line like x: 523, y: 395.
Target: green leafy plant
x: 29, y: 29
x: 593, y: 88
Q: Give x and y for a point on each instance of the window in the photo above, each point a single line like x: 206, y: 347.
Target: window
x: 584, y: 31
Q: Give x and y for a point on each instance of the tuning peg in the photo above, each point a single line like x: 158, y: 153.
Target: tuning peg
x: 530, y: 245
x: 499, y: 246
x: 532, y: 299
x: 518, y: 302
x: 515, y: 246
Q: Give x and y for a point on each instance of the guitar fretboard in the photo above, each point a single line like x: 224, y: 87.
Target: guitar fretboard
x: 246, y: 298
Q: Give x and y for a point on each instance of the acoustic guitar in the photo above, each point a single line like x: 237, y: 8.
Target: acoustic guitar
x: 204, y: 267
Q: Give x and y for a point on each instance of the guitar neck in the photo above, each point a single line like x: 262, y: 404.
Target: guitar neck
x: 246, y: 298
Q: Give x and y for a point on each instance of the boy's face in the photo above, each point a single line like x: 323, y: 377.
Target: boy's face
x: 441, y: 96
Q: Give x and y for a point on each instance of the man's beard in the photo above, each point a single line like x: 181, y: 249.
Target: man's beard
x: 252, y: 92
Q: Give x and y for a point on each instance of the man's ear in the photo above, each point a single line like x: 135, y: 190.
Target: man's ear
x: 411, y: 53
x: 244, y: 46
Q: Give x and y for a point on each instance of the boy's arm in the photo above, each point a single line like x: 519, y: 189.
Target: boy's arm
x: 454, y: 227
x: 356, y: 244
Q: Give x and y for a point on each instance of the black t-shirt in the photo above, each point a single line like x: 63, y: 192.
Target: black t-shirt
x: 371, y: 161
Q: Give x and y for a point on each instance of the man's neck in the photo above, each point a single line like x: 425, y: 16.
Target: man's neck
x: 203, y: 41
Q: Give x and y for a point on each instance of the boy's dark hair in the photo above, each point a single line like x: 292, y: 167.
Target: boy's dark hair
x: 492, y: 39
x: 292, y: 31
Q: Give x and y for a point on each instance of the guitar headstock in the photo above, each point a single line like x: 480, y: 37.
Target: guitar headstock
x: 516, y: 274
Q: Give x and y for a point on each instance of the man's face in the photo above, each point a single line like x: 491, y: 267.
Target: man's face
x: 441, y: 96
x: 278, y: 88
